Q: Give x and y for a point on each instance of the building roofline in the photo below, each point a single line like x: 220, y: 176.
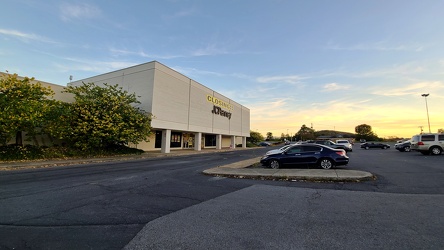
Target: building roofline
x: 157, y: 62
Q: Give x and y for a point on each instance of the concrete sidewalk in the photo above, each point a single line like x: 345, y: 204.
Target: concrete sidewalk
x: 242, y: 169
x: 16, y: 165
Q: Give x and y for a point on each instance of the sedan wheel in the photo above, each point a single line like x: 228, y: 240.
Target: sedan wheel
x: 326, y: 163
x: 407, y: 149
x: 274, y: 164
x: 385, y: 147
x: 367, y: 147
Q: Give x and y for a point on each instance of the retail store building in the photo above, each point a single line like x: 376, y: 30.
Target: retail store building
x: 186, y: 114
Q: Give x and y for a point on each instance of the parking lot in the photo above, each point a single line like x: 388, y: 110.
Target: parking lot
x: 399, y: 172
x: 105, y: 205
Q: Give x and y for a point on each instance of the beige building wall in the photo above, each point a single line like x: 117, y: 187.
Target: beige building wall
x: 199, y: 108
x: 179, y: 104
x: 170, y: 99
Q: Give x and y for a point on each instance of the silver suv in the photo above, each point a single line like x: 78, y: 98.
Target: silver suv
x: 428, y: 143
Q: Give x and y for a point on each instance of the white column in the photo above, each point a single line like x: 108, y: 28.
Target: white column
x: 218, y: 141
x: 233, y: 141
x: 166, y: 141
x: 197, y: 141
x: 244, y: 142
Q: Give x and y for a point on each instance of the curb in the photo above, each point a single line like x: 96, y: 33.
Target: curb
x: 240, y: 170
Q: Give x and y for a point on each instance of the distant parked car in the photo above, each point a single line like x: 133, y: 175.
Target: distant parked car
x: 306, y: 154
x: 368, y: 145
x: 432, y: 143
x: 279, y: 150
x: 264, y: 144
x: 403, y: 146
x: 332, y: 145
x: 346, y: 143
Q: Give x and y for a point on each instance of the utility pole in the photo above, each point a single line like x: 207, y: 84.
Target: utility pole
x: 427, y: 108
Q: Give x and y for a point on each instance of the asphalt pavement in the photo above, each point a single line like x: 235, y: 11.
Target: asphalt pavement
x: 244, y: 169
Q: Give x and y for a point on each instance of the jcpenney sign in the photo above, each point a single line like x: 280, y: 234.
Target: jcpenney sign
x: 218, y: 105
x: 219, y: 111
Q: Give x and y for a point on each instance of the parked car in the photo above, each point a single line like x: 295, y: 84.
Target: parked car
x: 264, y: 144
x: 368, y: 145
x: 332, y: 145
x: 279, y: 150
x: 403, y: 146
x: 306, y: 154
x: 432, y: 143
x: 346, y: 143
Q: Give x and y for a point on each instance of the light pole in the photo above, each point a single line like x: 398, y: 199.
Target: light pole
x: 427, y: 109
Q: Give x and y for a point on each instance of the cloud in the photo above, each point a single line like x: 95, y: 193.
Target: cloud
x: 412, y: 89
x: 377, y: 46
x: 405, y: 69
x: 93, y: 66
x: 25, y: 36
x: 334, y: 87
x: 180, y: 14
x: 123, y: 52
x: 78, y: 11
x: 209, y: 50
x: 292, y: 79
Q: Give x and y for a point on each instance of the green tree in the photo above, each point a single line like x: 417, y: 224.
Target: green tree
x: 364, y: 131
x: 58, y: 119
x: 101, y: 117
x: 305, y: 133
x: 269, y: 136
x: 23, y: 105
x: 255, y: 137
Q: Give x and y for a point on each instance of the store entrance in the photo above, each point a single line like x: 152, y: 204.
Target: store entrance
x: 158, y: 140
x: 188, y: 140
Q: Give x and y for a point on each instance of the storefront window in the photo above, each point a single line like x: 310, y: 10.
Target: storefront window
x: 210, y: 140
x: 176, y: 139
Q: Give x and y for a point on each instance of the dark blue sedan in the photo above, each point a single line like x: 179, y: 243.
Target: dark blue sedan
x: 368, y: 145
x: 307, y: 154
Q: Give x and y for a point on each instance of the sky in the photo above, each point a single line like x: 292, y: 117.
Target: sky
x: 331, y: 65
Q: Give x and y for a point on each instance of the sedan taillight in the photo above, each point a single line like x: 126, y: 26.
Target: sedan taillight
x: 341, y: 153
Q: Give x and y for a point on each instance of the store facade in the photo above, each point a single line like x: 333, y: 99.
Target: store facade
x: 186, y: 114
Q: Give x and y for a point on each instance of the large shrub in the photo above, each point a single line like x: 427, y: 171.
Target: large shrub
x: 23, y: 106
x: 101, y: 117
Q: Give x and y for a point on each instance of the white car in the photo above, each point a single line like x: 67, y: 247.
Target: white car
x: 430, y: 143
x: 277, y: 151
x: 346, y: 143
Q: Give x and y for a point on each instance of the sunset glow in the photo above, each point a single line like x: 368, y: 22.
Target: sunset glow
x: 331, y: 65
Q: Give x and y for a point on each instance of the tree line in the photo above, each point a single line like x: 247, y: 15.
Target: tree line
x: 99, y: 116
x: 362, y: 131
